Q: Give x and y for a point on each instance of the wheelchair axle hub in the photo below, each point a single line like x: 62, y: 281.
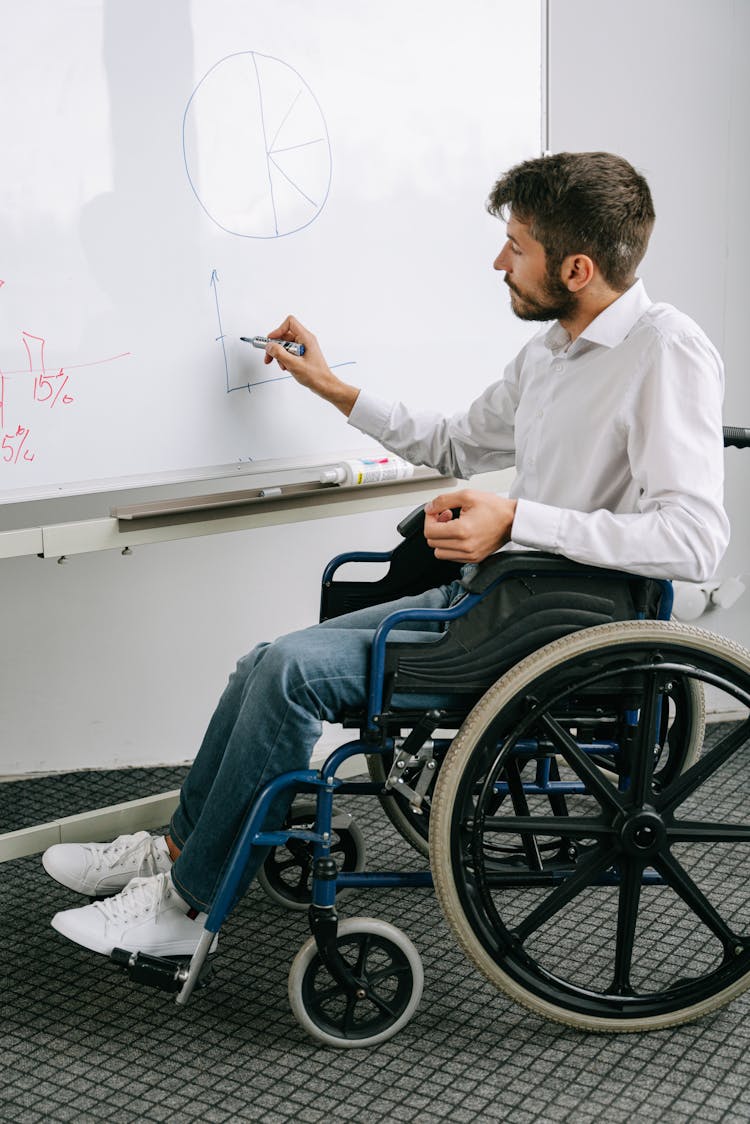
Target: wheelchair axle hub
x: 641, y: 835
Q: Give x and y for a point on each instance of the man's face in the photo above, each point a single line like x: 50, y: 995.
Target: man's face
x: 534, y: 294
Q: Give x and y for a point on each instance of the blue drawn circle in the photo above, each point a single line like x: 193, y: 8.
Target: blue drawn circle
x: 277, y: 233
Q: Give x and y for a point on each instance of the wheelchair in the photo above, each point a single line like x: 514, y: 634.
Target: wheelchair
x: 583, y: 824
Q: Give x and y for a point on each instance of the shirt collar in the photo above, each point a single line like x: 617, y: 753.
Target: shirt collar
x: 612, y: 325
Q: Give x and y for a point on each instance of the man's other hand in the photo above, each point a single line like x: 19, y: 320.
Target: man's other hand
x: 482, y: 527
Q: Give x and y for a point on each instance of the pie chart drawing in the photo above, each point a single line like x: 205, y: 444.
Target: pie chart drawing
x: 256, y: 147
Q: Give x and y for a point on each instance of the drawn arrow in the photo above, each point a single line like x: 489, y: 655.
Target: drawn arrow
x: 215, y: 287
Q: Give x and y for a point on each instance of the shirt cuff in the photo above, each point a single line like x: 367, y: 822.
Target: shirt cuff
x: 536, y: 526
x: 370, y: 414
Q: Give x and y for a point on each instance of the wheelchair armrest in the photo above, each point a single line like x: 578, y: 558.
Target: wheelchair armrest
x: 413, y: 569
x: 354, y: 556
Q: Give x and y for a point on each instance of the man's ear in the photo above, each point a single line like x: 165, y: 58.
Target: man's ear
x: 577, y: 271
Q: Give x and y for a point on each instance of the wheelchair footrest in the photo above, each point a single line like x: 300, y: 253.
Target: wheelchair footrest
x: 167, y: 973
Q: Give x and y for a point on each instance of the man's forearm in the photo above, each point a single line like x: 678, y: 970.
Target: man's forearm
x: 338, y: 393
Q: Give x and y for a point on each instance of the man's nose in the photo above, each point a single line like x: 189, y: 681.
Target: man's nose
x: 501, y: 261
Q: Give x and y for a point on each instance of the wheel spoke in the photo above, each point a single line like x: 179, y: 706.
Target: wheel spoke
x: 574, y: 827
x: 285, y: 864
x: 586, y: 871
x: 695, y: 831
x: 642, y: 752
x: 627, y: 918
x: 604, y: 792
x: 557, y: 800
x: 348, y: 1021
x: 381, y: 1004
x: 301, y: 882
x: 388, y: 973
x: 364, y: 951
x: 521, y: 808
x: 371, y: 980
x: 704, y: 768
x: 327, y: 993
x: 683, y: 885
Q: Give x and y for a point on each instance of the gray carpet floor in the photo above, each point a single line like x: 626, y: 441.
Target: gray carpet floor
x: 80, y: 1042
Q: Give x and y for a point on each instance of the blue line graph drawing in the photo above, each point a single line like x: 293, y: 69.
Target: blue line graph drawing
x: 248, y: 385
x: 220, y: 337
x: 256, y: 147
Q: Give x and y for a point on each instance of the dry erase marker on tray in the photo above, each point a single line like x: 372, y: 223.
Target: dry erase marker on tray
x: 368, y: 470
x: 263, y: 341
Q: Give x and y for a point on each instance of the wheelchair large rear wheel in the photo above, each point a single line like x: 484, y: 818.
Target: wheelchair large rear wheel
x: 638, y: 915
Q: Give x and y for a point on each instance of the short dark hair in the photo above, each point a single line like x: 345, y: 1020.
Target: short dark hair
x: 591, y: 203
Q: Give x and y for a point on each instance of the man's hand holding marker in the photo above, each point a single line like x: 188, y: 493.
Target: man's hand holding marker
x: 309, y: 368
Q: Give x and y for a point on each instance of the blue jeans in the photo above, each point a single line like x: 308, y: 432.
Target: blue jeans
x: 267, y: 723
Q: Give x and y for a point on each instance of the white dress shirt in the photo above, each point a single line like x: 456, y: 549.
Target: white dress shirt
x: 616, y: 439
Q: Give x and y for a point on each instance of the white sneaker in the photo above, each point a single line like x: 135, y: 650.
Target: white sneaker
x: 148, y: 916
x: 98, y: 869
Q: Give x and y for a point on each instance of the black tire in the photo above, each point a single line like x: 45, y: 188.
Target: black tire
x: 647, y: 925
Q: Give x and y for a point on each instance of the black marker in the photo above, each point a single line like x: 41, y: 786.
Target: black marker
x: 263, y: 341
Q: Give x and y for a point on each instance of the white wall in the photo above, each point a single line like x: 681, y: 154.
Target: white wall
x: 113, y: 661
x: 110, y: 660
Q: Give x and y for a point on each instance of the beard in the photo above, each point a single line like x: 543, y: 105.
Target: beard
x: 553, y: 302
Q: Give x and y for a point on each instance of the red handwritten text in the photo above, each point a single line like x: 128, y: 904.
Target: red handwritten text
x: 14, y: 445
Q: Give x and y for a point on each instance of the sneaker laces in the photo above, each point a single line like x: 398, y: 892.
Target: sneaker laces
x: 126, y: 847
x: 140, y: 897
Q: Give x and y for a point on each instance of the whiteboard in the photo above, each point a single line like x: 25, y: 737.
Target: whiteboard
x: 177, y: 175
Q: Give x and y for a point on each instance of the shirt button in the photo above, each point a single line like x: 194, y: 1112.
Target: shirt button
x: 540, y: 413
x: 557, y: 367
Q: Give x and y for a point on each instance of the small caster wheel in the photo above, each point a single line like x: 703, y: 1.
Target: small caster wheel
x: 286, y: 874
x: 390, y: 968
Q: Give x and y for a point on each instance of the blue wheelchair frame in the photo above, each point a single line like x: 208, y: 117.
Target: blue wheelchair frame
x: 326, y: 879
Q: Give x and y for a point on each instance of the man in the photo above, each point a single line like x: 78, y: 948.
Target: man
x: 612, y: 417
